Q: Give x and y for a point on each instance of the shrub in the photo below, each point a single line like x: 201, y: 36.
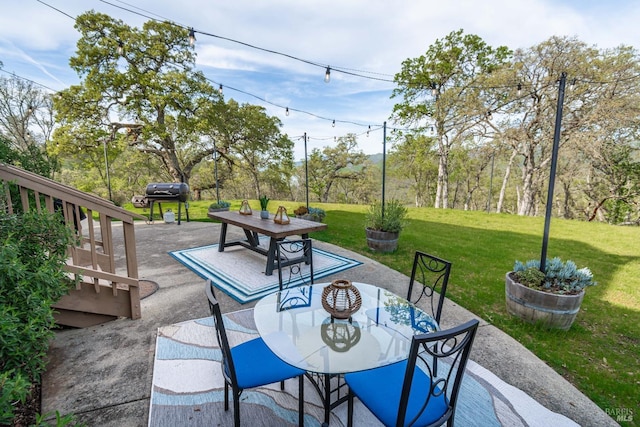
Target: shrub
x: 219, y: 205
x: 301, y: 210
x: 316, y: 214
x: 311, y: 214
x: 393, y: 219
x: 32, y: 256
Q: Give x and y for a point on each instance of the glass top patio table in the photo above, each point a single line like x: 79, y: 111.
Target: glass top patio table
x: 301, y: 332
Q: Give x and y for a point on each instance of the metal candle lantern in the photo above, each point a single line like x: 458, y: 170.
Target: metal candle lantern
x: 281, y: 216
x: 245, y: 209
x: 341, y: 299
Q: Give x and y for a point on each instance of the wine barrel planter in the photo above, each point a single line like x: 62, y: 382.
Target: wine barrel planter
x: 555, y: 311
x: 382, y: 241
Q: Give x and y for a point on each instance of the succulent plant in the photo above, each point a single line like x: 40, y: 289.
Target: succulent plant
x: 264, y: 201
x: 558, y: 277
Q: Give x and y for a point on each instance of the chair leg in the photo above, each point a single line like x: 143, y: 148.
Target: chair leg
x: 301, y: 400
x: 226, y: 396
x: 236, y: 409
x: 350, y: 409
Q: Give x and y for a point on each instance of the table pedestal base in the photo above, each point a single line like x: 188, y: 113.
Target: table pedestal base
x: 332, y: 390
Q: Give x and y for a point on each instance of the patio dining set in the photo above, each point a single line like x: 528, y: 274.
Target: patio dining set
x: 351, y: 340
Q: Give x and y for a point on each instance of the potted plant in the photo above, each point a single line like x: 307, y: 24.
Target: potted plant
x: 264, y: 202
x: 552, y: 297
x: 218, y: 206
x: 383, y: 228
x: 311, y: 214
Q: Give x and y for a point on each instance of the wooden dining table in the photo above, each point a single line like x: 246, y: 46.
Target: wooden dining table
x: 297, y: 328
x: 253, y: 226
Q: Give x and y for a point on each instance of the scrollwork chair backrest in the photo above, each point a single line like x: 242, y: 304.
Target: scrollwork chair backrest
x: 429, y: 279
x: 291, y: 271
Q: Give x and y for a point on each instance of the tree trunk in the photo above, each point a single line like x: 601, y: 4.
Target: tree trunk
x: 442, y: 190
x: 505, y: 179
x: 525, y: 206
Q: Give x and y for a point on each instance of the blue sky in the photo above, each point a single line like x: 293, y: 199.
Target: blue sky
x: 36, y: 42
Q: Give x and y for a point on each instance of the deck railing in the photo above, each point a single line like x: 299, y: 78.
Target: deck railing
x: 104, y: 291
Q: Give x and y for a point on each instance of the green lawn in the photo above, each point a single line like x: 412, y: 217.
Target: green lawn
x: 599, y: 354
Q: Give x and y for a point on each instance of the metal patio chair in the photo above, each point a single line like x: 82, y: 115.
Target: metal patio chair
x: 250, y: 364
x: 410, y: 392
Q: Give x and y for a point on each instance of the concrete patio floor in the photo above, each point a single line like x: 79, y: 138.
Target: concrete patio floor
x: 103, y: 374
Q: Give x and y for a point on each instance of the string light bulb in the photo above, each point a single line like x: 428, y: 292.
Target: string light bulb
x: 120, y: 47
x: 192, y: 37
x: 434, y: 89
x: 368, y: 130
x: 489, y: 116
x: 327, y: 75
x: 519, y: 89
x: 220, y: 90
x: 573, y: 84
x: 333, y: 124
x: 286, y: 112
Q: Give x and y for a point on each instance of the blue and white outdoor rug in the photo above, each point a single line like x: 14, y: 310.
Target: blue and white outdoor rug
x: 240, y: 272
x: 188, y: 388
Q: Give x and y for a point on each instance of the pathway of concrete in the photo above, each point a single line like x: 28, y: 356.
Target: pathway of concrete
x: 103, y: 374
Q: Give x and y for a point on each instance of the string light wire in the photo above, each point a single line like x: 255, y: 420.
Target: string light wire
x: 432, y: 86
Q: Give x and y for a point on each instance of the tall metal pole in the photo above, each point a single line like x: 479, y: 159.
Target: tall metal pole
x: 384, y: 164
x: 306, y: 170
x: 215, y: 170
x: 552, y: 172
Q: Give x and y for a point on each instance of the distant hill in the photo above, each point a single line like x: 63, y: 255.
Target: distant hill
x: 376, y: 158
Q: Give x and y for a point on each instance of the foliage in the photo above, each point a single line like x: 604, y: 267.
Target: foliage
x: 300, y: 210
x: 414, y: 158
x: 391, y: 220
x: 14, y: 389
x: 430, y: 87
x: 334, y: 164
x: 252, y: 142
x: 559, y: 277
x: 31, y: 158
x: 219, y: 205
x: 32, y: 256
x: 166, y: 119
x: 316, y: 214
x: 61, y: 421
x: 26, y: 125
x: 312, y: 214
x: 264, y: 202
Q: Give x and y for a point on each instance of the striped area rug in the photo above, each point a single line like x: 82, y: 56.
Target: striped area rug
x: 240, y: 272
x: 188, y: 388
